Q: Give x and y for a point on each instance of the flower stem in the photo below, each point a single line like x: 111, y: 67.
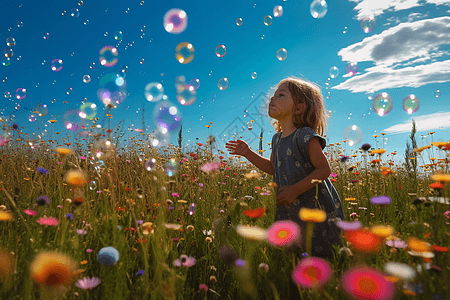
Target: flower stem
x: 308, y: 237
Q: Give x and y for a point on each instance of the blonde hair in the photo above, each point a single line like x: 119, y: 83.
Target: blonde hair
x: 304, y: 91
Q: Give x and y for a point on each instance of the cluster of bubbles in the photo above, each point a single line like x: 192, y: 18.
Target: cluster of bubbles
x: 108, y: 56
x: 175, y: 21
x: 184, y: 52
x: 368, y: 24
x: 353, y: 135
x: 318, y: 8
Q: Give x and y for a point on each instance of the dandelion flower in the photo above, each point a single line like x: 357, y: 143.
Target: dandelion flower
x: 312, y: 272
x: 253, y: 233
x: 51, y: 269
x: 363, y: 240
x: 5, y: 216
x: 108, y: 256
x: 312, y: 215
x: 76, y: 178
x: 184, y: 261
x: 367, y: 284
x: 400, y: 270
x: 88, y: 283
x: 283, y: 233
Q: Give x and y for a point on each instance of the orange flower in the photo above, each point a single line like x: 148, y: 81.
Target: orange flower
x: 417, y: 245
x: 76, y: 178
x: 51, y: 269
x: 255, y: 213
x: 436, y: 185
x: 64, y: 151
x: 378, y: 151
x: 375, y: 161
x: 363, y: 240
x: 440, y: 249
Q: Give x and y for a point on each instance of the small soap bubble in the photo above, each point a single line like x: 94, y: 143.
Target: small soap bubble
x: 72, y: 120
x: 410, y: 104
x: 57, y: 65
x: 221, y: 50
x: 9, y: 52
x: 7, y: 95
x: 437, y: 93
x: 154, y: 91
x: 334, y: 72
x: 254, y: 75
x: 108, y: 56
x: 10, y: 42
x: 86, y: 78
x: 278, y: 11
x: 223, y: 83
x: 171, y: 167
x: 46, y: 35
x: 150, y: 164
x: 32, y: 118
x: 41, y: 110
x: 345, y: 30
x: 20, y: 24
x: 250, y: 125
x: 351, y: 69
x: 268, y: 20
x: 184, y: 52
x: 69, y: 91
x: 382, y: 104
x: 368, y: 24
x: 318, y: 8
x: 281, y: 54
x: 92, y: 185
x: 86, y: 22
x: 142, y: 28
x: 74, y: 12
x: 195, y: 83
x: 353, y: 135
x: 6, y: 61
x: 21, y: 93
x: 118, y: 35
x: 141, y: 61
x: 106, y: 34
x: 5, y: 79
x: 175, y: 21
x: 186, y: 94
x: 192, y: 209
x: 63, y: 13
x: 239, y: 21
x: 92, y: 65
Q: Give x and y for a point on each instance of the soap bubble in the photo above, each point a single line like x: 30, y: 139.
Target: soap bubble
x: 150, y: 164
x: 92, y: 185
x: 239, y: 21
x: 57, y: 65
x: 118, y: 35
x: 154, y: 91
x: 351, y: 69
x: 186, y: 95
x: 69, y: 91
x: 278, y: 11
x: 86, y: 78
x: 74, y: 12
x: 221, y: 50
x: 103, y: 149
x: 113, y: 89
x: 46, y: 36
x: 92, y: 65
x: 72, y: 120
x: 167, y: 116
x: 254, y: 75
x: 437, y: 93
x: 245, y: 113
x: 6, y: 61
x: 10, y: 42
x: 250, y: 125
x: 86, y: 22
x: 7, y: 95
x: 281, y: 54
x: 195, y: 83
x: 159, y: 138
x: 222, y: 84
x: 175, y: 21
x: 368, y: 24
x: 318, y: 8
x: 382, y: 104
x: 171, y: 167
x: 88, y: 110
x: 192, y: 209
x: 41, y: 110
x: 180, y: 80
x: 32, y: 118
x: 142, y: 61
x: 410, y: 104
x: 108, y: 56
x: 9, y: 52
x: 21, y: 93
x: 334, y: 72
x: 353, y: 135
x: 268, y: 20
x: 184, y: 52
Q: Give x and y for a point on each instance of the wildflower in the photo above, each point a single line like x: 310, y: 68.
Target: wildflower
x: 52, y: 269
x: 190, y: 228
x: 64, y: 151
x: 210, y: 167
x: 140, y: 272
x: 5, y: 216
x: 81, y: 231
x: 69, y: 216
x: 367, y: 284
x: 439, y: 144
x: 263, y: 268
x: 208, y: 240
x: 173, y: 226
x: 382, y: 231
x: 312, y: 215
x: 228, y: 255
x: 417, y: 245
x: 253, y: 174
x: 175, y: 195
x: 147, y: 228
x: 48, y: 221
x: 255, y: 213
x: 378, y: 151
x: 30, y: 212
x: 88, y: 283
x: 439, y: 248
x: 441, y: 177
x: 43, y: 200
x: 381, y: 200
x: 283, y: 233
x: 400, y: 270
x: 397, y: 243
x: 212, y: 278
x: 253, y: 233
x: 348, y: 226
x: 203, y: 288
x: 42, y: 171
x: 312, y: 272
x: 363, y: 240
x: 344, y: 158
x: 3, y: 141
x: 108, y: 256
x: 76, y: 178
x: 185, y: 261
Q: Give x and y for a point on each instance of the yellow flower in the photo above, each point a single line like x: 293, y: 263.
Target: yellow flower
x: 349, y: 199
x: 417, y: 245
x: 252, y: 175
x: 182, y: 201
x: 76, y: 178
x: 253, y: 233
x: 441, y: 177
x: 382, y: 231
x: 439, y: 144
x: 64, y: 151
x: 312, y: 215
x: 378, y: 151
x: 51, y: 269
x: 147, y: 228
x: 5, y: 216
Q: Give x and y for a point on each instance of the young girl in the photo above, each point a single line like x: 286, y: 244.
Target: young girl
x: 297, y: 158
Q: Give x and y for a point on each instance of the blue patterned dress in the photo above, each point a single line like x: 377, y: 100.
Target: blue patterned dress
x: 291, y: 164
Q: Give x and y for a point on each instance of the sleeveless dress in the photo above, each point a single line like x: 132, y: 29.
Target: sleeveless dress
x: 291, y: 164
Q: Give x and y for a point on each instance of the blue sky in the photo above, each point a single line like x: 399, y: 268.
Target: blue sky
x: 406, y: 53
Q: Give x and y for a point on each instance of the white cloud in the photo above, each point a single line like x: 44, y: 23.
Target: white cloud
x: 439, y: 120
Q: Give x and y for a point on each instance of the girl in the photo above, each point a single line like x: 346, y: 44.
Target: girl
x: 297, y: 158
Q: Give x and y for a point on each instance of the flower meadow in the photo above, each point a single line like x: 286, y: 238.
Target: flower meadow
x: 84, y: 222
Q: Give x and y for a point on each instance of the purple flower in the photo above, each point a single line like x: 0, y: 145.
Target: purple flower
x: 42, y: 200
x: 348, y: 226
x: 397, y: 244
x: 42, y: 170
x: 381, y: 200
x: 88, y: 283
x: 81, y: 231
x: 344, y: 158
x: 69, y: 216
x: 366, y: 147
x: 184, y: 261
x: 140, y: 272
x: 209, y: 167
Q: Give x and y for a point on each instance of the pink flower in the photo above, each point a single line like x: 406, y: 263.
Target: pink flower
x: 30, y: 212
x: 333, y: 174
x: 48, y: 221
x: 176, y: 195
x: 209, y: 167
x: 184, y: 261
x: 3, y: 141
x: 203, y: 288
x: 89, y: 250
x: 312, y: 272
x: 283, y: 233
x: 88, y: 283
x: 397, y: 244
x: 82, y: 157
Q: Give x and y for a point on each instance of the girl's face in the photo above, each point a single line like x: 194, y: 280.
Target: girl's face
x: 281, y: 104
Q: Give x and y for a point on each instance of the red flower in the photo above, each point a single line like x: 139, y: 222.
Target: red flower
x: 255, y: 213
x: 436, y: 185
x: 192, y: 154
x: 200, y: 144
x: 440, y: 249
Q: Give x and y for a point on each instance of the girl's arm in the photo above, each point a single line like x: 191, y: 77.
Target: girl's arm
x: 288, y: 194
x: 241, y: 148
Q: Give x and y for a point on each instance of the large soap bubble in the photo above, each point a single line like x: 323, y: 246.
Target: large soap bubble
x: 167, y: 116
x: 351, y: 69
x: 353, y: 135
x: 186, y: 94
x: 278, y: 11
x: 382, y: 104
x: 154, y: 91
x: 410, y: 104
x: 113, y: 89
x: 368, y: 24
x: 318, y: 8
x: 108, y: 56
x: 184, y: 52
x: 175, y: 21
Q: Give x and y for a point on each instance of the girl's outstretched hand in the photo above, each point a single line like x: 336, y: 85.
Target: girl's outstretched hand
x: 237, y: 147
x: 286, y: 195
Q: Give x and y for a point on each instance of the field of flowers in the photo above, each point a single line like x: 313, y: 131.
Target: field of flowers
x: 141, y: 223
